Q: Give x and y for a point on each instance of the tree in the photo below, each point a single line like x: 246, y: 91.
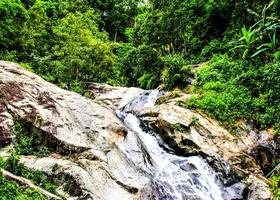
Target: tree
x: 117, y: 15
x: 12, y: 17
x: 81, y: 54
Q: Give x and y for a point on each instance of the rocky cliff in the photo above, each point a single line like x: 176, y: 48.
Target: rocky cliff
x: 84, y: 133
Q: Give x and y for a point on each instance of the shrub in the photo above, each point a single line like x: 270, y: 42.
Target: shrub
x: 13, y: 165
x: 11, y: 190
x: 234, y: 89
x: 146, y: 80
x: 175, y: 72
x: 275, y: 186
x: 26, y: 143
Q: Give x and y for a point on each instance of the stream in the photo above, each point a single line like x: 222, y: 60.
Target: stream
x: 172, y: 177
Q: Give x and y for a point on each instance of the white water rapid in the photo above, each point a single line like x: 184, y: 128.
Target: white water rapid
x: 173, y: 177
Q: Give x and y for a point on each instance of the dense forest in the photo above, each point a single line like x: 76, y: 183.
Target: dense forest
x: 132, y: 43
x: 230, y: 47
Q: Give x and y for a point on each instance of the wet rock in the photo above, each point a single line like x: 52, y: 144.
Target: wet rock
x: 264, y: 146
x: 235, y: 191
x: 267, y: 153
x: 91, y: 179
x: 264, y: 156
x: 190, y: 130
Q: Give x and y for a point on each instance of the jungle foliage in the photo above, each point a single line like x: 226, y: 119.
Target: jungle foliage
x: 147, y: 44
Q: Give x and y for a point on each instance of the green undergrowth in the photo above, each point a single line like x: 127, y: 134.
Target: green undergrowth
x: 275, y: 186
x: 11, y: 190
x: 27, y: 143
x: 230, y: 90
x: 13, y: 165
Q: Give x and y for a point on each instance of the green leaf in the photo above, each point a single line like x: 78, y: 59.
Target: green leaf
x: 239, y: 46
x: 265, y: 45
x: 258, y: 52
x: 245, y: 53
x: 277, y: 55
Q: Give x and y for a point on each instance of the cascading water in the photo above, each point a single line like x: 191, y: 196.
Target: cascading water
x: 173, y: 177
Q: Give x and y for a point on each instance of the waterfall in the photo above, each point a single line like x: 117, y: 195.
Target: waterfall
x: 173, y: 177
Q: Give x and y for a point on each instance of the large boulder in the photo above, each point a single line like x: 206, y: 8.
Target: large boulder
x: 84, y: 132
x: 115, y: 97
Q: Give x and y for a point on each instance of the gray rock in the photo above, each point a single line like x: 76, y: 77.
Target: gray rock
x: 115, y: 97
x: 84, y: 131
x: 258, y: 188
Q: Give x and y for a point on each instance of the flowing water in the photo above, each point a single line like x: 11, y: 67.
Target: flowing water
x: 173, y: 177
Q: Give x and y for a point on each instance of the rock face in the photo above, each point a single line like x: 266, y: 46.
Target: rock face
x: 88, y: 162
x: 191, y: 133
x: 73, y: 124
x: 115, y: 97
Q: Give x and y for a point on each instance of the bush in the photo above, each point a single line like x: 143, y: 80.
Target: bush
x: 175, y: 72
x: 13, y: 165
x: 235, y: 89
x: 27, y: 144
x: 11, y: 190
x: 275, y: 186
x: 146, y: 80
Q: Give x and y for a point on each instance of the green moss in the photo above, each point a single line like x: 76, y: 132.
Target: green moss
x: 194, y: 121
x: 174, y: 94
x: 2, y: 94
